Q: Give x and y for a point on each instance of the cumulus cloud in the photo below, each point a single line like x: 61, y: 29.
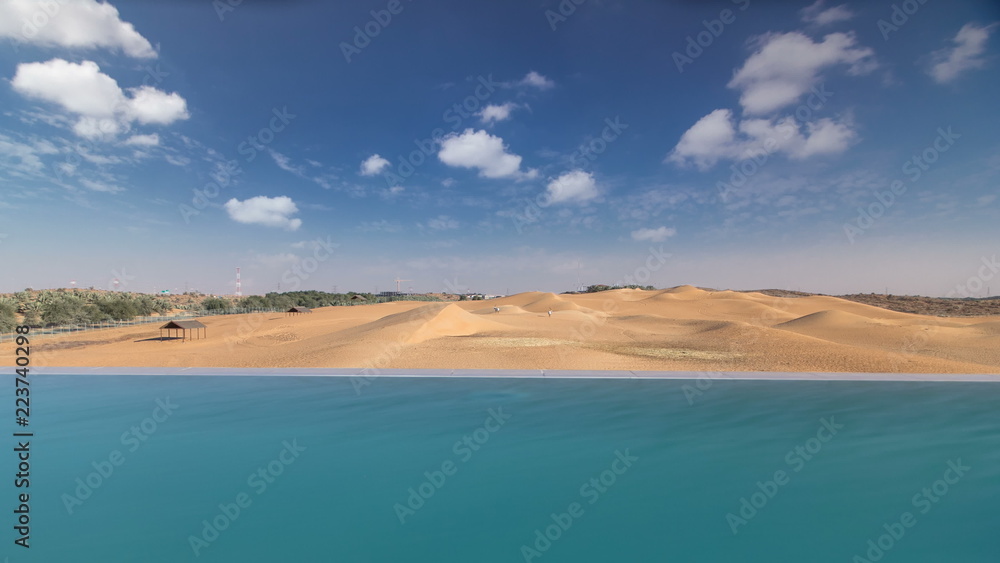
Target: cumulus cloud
x: 263, y: 210
x: 575, y: 186
x: 149, y: 105
x: 814, y: 13
x: 494, y: 113
x: 717, y: 137
x: 536, y: 80
x: 101, y: 106
x: 83, y: 24
x: 485, y: 152
x: 965, y: 53
x: 373, y: 165
x: 708, y: 140
x: 787, y: 65
x: 658, y: 234
x: 781, y: 70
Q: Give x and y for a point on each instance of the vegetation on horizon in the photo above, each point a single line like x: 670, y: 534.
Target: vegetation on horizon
x: 313, y: 299
x: 51, y: 308
x: 602, y: 287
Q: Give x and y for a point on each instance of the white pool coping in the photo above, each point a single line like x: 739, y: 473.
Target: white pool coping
x: 521, y: 374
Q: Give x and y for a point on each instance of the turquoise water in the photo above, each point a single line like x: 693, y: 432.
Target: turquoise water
x: 338, y: 468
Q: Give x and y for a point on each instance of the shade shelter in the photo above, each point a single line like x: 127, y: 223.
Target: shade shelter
x: 175, y: 328
x: 298, y: 310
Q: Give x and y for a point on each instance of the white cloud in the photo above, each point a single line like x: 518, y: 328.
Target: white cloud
x: 575, y: 186
x: 537, y: 80
x: 263, y: 210
x: 442, y: 223
x: 814, y: 13
x: 26, y: 156
x: 479, y: 149
x: 494, y: 113
x: 149, y: 105
x: 715, y: 137
x: 658, y: 234
x: 74, y: 24
x: 144, y: 140
x: 102, y: 187
x: 373, y: 165
x: 969, y: 45
x: 78, y: 88
x: 285, y: 163
x: 708, y: 140
x: 786, y: 65
x: 102, y: 107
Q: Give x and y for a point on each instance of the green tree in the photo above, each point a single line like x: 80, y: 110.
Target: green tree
x: 215, y: 304
x: 33, y: 315
x: 8, y: 320
x: 114, y: 307
x: 62, y: 310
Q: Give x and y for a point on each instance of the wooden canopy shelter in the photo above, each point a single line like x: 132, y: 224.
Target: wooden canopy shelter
x: 297, y: 310
x: 175, y: 328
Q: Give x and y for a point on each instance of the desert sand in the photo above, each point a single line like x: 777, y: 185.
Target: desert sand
x: 683, y: 328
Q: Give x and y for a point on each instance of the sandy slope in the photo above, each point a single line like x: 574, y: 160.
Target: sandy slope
x: 679, y: 328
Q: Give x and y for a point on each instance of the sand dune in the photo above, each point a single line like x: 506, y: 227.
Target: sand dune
x: 682, y: 328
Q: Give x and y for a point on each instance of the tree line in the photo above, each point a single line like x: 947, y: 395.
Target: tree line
x: 55, y: 308
x: 52, y: 308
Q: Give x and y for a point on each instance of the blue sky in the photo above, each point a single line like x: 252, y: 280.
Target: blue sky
x: 500, y: 146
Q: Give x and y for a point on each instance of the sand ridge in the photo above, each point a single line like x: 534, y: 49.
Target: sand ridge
x: 682, y: 328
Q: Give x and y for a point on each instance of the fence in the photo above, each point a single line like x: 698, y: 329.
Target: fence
x: 85, y: 327
x: 49, y: 331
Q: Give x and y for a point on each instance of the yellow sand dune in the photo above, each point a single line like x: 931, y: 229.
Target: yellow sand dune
x: 682, y: 328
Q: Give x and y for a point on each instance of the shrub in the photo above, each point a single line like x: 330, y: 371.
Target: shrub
x: 7, y: 319
x: 215, y: 304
